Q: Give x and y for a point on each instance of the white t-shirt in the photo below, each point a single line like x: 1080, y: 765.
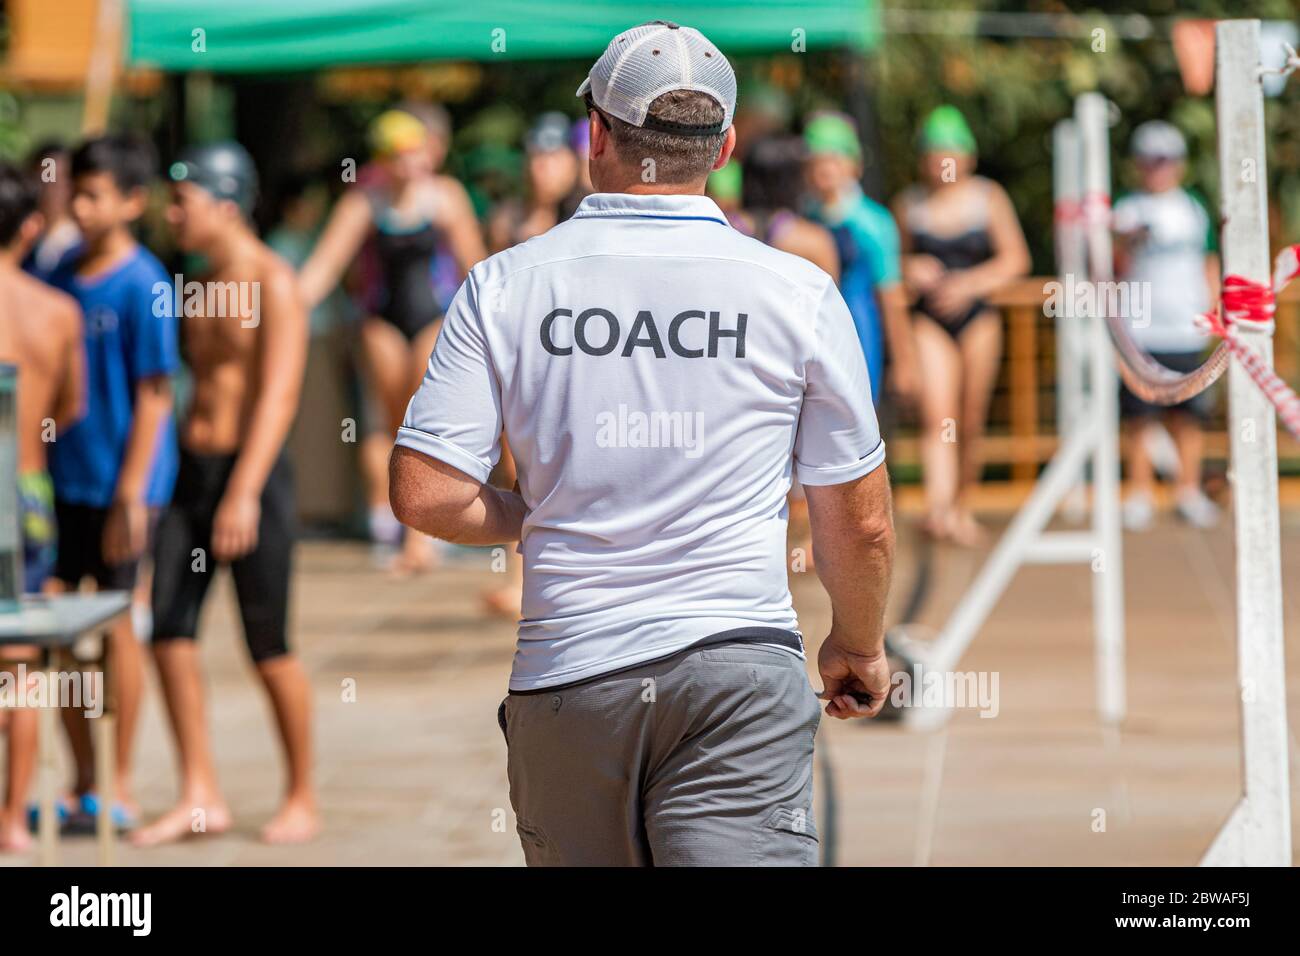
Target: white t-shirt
x: 1169, y: 235
x: 658, y: 376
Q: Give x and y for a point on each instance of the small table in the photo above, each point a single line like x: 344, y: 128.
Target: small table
x: 54, y: 624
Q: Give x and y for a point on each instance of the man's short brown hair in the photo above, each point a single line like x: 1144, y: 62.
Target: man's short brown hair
x: 676, y: 158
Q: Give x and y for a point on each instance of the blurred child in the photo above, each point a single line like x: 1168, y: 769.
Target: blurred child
x: 49, y: 166
x: 40, y: 333
x: 552, y: 175
x: 410, y: 213
x: 961, y: 241
x: 772, y: 189
x: 872, y: 277
x: 234, y: 498
x: 114, y: 469
x: 1166, y: 241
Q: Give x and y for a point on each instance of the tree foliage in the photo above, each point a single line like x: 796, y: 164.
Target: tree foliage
x: 1013, y: 90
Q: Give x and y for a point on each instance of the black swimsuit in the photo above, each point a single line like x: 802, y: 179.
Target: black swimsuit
x: 961, y: 251
x: 406, y: 259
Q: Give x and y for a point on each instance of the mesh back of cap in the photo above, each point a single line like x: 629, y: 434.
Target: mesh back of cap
x: 647, y: 61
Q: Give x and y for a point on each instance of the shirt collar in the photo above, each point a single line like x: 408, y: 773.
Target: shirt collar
x: 650, y: 206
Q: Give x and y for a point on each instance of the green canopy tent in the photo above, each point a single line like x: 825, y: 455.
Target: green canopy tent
x: 279, y: 35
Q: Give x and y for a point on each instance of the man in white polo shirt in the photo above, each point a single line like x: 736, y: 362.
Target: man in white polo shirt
x: 660, y: 377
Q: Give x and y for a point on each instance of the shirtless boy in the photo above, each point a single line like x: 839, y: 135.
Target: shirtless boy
x: 40, y: 333
x: 234, y: 498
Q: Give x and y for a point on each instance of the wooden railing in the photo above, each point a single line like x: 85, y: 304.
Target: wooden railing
x: 1022, y: 431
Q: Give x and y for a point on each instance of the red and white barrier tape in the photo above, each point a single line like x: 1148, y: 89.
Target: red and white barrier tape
x: 1095, y: 208
x: 1246, y: 301
x: 1067, y: 211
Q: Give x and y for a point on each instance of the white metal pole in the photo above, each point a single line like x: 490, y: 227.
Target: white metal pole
x: 1010, y: 553
x: 1070, y: 266
x: 1259, y: 830
x: 1092, y: 115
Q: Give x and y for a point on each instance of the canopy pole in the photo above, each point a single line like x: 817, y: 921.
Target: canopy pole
x: 101, y: 72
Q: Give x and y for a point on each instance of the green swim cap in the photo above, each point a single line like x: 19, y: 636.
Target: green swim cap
x: 945, y: 129
x: 725, y: 183
x: 831, y: 133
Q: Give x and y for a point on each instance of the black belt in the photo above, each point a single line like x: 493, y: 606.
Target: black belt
x: 737, y: 635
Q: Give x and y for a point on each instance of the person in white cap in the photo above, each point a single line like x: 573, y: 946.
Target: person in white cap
x: 1165, y: 245
x: 661, y: 377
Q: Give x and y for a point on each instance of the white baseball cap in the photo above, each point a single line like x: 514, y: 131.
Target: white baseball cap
x: 643, y: 63
x: 1156, y: 139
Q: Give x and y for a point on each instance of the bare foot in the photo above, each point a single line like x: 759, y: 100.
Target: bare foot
x: 505, y: 602
x: 416, y: 557
x: 188, y: 818
x: 14, y: 837
x: 967, y: 532
x: 937, y: 525
x: 126, y: 804
x: 296, y: 822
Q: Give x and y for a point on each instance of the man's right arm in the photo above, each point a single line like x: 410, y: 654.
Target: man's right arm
x: 853, y: 541
x: 839, y: 459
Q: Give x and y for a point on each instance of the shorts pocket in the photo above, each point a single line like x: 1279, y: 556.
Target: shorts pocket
x: 750, y: 654
x: 788, y: 837
x: 501, y: 719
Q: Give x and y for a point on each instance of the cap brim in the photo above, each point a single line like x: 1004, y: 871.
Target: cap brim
x: 585, y: 88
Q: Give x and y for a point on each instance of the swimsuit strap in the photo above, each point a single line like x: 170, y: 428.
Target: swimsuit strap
x: 387, y: 219
x: 918, y: 217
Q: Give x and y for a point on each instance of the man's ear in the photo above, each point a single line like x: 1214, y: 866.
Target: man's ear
x: 728, y: 147
x: 597, y: 134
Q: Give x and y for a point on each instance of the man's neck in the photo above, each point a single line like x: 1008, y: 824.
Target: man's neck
x: 638, y: 188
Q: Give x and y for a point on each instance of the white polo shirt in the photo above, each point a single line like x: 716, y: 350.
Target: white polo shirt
x: 659, y: 376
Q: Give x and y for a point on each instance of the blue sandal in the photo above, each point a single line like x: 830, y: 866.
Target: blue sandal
x: 89, y: 809
x: 61, y: 811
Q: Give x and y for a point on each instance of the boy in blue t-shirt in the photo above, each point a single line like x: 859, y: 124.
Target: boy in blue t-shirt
x: 115, y: 467
x: 867, y: 238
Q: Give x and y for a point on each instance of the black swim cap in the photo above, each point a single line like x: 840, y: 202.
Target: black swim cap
x: 223, y: 169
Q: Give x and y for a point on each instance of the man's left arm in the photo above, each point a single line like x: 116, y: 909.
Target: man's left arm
x: 432, y: 497
x: 451, y: 439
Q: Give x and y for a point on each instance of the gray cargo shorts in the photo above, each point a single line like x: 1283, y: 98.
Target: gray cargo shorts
x: 700, y: 759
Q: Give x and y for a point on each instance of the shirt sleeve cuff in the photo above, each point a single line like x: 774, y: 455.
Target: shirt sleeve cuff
x: 445, y: 452
x: 839, y: 474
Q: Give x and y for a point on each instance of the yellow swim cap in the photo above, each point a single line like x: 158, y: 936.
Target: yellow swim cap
x: 396, y: 131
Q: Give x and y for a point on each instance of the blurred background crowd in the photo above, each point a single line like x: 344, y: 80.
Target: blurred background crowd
x: 384, y: 148
x: 847, y: 92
